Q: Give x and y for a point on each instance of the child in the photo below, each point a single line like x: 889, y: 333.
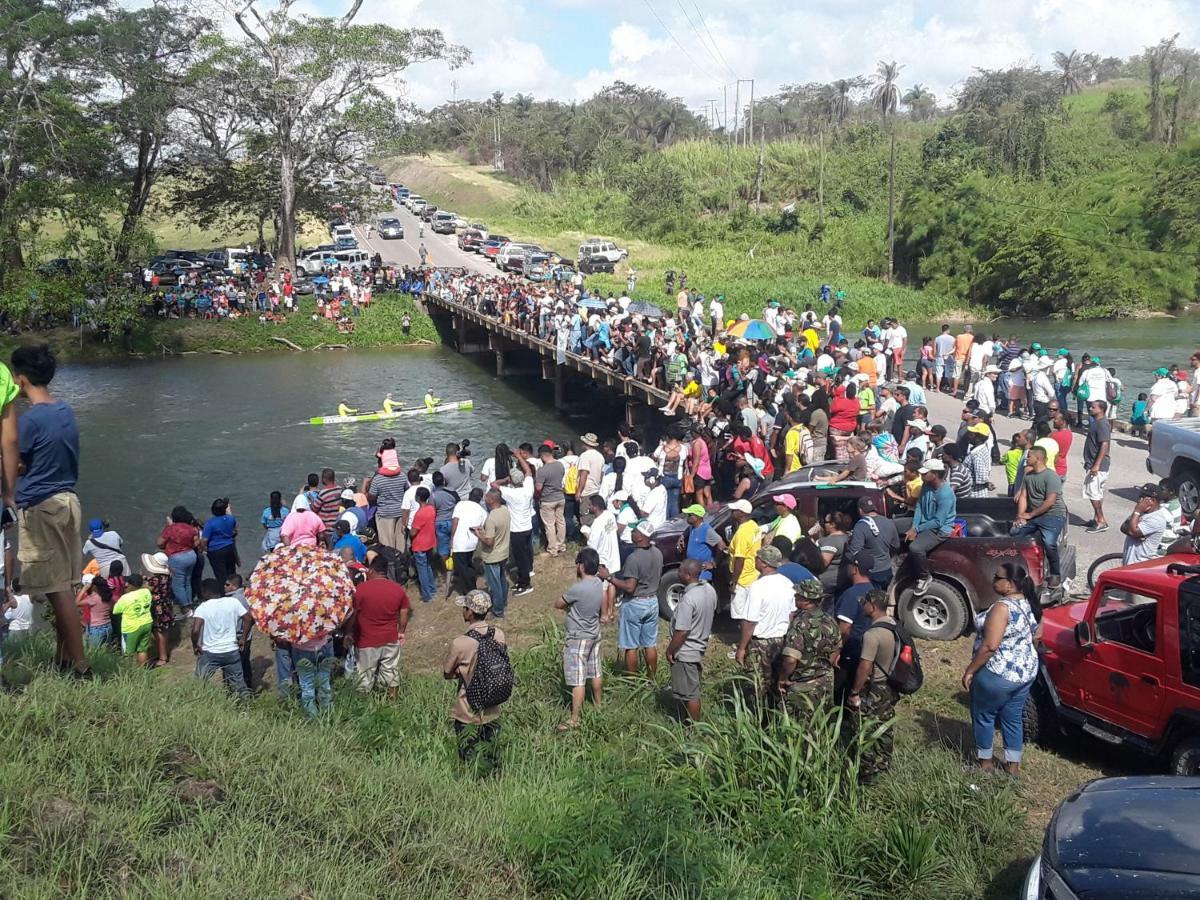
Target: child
x: 116, y: 578
x: 136, y: 619
x: 95, y: 601
x: 1138, y: 417
x: 1014, y: 461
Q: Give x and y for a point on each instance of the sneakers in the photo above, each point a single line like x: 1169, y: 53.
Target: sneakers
x: 1098, y: 528
x: 521, y: 592
x: 922, y: 586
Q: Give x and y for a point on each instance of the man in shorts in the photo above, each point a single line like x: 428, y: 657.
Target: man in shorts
x: 691, y: 627
x: 48, y: 514
x: 1096, y: 463
x: 638, y: 581
x: 377, y: 623
x: 587, y: 602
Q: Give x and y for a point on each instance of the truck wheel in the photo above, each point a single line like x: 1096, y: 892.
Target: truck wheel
x: 1185, y: 758
x: 940, y: 614
x: 1187, y: 484
x: 670, y: 590
x: 1038, y: 719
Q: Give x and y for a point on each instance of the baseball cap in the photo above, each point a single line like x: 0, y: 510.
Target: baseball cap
x: 863, y: 561
x: 980, y: 428
x: 932, y: 465
x: 96, y: 527
x: 918, y: 425
x: 1063, y: 351
x: 1150, y: 489
x: 771, y: 556
x: 347, y: 494
x: 1035, y: 346
x: 645, y: 527
x: 1161, y: 372
x: 786, y: 499
x: 476, y: 601
x: 694, y: 510
x: 756, y: 464
x: 741, y: 506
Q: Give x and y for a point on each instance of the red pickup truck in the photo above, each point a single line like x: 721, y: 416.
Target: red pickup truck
x: 962, y: 567
x: 1124, y: 665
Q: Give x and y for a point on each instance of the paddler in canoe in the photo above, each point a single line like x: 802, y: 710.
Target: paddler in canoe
x: 431, y: 402
x: 389, y: 405
x: 344, y: 410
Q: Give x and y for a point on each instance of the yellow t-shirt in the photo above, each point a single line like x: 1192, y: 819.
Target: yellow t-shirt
x: 719, y: 348
x: 8, y: 387
x: 812, y: 339
x: 791, y: 449
x: 134, y: 610
x: 745, y: 545
x: 691, y: 389
x: 785, y: 526
x: 912, y: 490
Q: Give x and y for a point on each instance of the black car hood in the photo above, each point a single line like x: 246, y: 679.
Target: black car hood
x: 1129, y: 837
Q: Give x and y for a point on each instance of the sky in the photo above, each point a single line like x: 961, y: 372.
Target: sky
x: 697, y: 49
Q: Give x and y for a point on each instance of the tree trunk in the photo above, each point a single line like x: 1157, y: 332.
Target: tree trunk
x: 149, y: 145
x: 892, y: 209
x: 287, y: 207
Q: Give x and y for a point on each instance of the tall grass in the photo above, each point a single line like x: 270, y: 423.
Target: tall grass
x: 148, y: 784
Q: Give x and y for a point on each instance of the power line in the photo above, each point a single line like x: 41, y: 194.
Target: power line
x: 700, y: 38
x: 713, y: 40
x: 671, y: 34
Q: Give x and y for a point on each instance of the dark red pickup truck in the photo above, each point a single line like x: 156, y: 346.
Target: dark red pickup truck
x: 962, y: 567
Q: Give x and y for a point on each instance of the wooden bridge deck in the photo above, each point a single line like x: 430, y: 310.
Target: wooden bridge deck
x: 618, y: 381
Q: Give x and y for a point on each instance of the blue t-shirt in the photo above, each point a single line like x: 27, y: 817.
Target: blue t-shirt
x: 219, y: 531
x: 270, y: 521
x: 848, y: 610
x: 354, y: 543
x: 48, y: 437
x: 795, y: 573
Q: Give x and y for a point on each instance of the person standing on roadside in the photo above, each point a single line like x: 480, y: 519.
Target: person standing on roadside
x: 590, y: 473
x: 691, y: 628
x: 588, y: 602
x: 46, y: 444
x: 494, y: 538
x: 468, y: 515
x: 638, y: 581
x: 386, y: 494
x: 962, y: 353
x: 943, y: 358
x: 377, y: 622
x: 1062, y: 435
x: 1096, y: 463
x: 743, y: 547
x: 217, y: 622
x: 1195, y: 390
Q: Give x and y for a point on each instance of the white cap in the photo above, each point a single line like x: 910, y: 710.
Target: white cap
x: 918, y: 425
x: 932, y: 465
x: 645, y: 527
x: 742, y: 506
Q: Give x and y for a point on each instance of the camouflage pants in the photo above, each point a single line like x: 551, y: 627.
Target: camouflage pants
x: 804, y: 698
x: 878, y: 706
x: 760, y: 666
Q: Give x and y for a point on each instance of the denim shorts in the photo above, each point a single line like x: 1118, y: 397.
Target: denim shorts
x: 638, y: 624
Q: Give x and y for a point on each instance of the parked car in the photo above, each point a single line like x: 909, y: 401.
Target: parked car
x: 443, y: 222
x: 1124, y: 665
x: 962, y: 567
x: 390, y: 227
x: 470, y: 239
x: 60, y: 266
x: 460, y: 222
x: 590, y: 265
x: 377, y: 177
x: 602, y: 249
x: 492, y: 246
x: 346, y: 243
x: 1121, y: 839
x: 512, y: 256
x: 536, y: 266
x: 415, y: 203
x: 481, y: 228
x: 1175, y: 453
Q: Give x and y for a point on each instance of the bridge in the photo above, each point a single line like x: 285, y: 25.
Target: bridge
x: 522, y: 355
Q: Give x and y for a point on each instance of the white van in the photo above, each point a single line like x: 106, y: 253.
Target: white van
x: 354, y: 260
x: 602, y: 249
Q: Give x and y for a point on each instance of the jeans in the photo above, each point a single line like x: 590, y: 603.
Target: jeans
x: 1002, y: 393
x: 314, y: 669
x: 247, y: 672
x: 1050, y: 528
x: 424, y: 574
x: 497, y: 583
x: 285, y: 667
x: 181, y: 566
x: 521, y: 558
x: 673, y: 485
x: 230, y: 664
x: 442, y: 530
x: 881, y: 581
x: 992, y: 698
x: 919, y: 550
x: 99, y: 635
x: 571, y: 519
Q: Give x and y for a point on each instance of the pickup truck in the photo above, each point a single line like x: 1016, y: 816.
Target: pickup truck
x: 1175, y: 453
x: 1123, y: 666
x: 962, y: 567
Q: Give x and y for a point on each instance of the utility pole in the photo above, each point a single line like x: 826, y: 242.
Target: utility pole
x: 762, y: 150
x: 752, y: 109
x: 725, y: 106
x: 892, y: 209
x: 737, y: 112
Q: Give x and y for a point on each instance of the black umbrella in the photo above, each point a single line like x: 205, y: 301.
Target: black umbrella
x: 645, y: 308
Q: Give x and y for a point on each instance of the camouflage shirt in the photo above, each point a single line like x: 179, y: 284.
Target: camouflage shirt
x: 812, y: 638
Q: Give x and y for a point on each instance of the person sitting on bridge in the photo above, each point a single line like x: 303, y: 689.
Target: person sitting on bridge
x: 390, y: 405
x: 344, y: 410
x: 431, y: 401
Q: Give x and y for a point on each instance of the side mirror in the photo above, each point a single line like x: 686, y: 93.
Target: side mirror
x: 1083, y: 635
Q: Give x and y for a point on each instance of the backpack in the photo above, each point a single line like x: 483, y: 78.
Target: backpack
x: 1111, y: 392
x: 492, y: 682
x: 571, y: 480
x: 905, y: 676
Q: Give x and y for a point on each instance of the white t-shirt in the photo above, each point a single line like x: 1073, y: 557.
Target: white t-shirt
x: 1096, y: 378
x: 602, y: 537
x: 896, y: 337
x: 1162, y: 399
x: 1151, y: 525
x: 21, y: 617
x: 221, y: 617
x: 635, y: 476
x: 769, y: 603
x: 519, y: 501
x: 975, y: 357
x: 408, y: 501
x: 627, y: 517
x: 470, y: 515
x: 716, y: 309
x: 655, y: 505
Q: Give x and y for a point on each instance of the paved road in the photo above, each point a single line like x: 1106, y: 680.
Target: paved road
x: 1128, y: 472
x: 442, y: 248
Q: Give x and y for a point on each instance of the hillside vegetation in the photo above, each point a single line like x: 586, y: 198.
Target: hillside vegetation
x: 1036, y: 193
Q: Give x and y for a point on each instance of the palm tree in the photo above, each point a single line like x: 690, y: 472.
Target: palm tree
x: 885, y: 96
x: 920, y: 101
x: 1071, y: 66
x: 837, y: 98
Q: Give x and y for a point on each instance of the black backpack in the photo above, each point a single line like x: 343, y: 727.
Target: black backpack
x: 492, y: 682
x: 905, y: 676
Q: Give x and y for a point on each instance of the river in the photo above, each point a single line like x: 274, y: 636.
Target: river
x: 188, y: 430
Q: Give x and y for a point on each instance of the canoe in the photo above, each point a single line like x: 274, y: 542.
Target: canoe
x: 398, y: 414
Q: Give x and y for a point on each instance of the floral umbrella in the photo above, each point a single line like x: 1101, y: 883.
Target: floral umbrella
x: 299, y: 593
x: 752, y: 330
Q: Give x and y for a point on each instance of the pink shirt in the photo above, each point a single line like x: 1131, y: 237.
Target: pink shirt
x: 302, y: 526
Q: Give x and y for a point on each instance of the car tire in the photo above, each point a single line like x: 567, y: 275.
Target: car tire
x: 940, y: 614
x: 1185, y: 757
x: 670, y: 589
x: 1187, y: 486
x: 1039, y: 720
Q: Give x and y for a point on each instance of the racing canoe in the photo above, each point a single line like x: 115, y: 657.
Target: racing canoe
x: 398, y: 414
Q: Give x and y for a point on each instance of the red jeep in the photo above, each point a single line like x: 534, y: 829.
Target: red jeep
x: 1124, y: 665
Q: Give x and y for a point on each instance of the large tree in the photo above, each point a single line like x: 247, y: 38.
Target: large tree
x: 311, y: 84
x: 1070, y: 71
x: 885, y: 95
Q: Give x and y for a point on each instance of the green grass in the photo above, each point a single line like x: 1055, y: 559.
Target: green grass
x: 146, y: 785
